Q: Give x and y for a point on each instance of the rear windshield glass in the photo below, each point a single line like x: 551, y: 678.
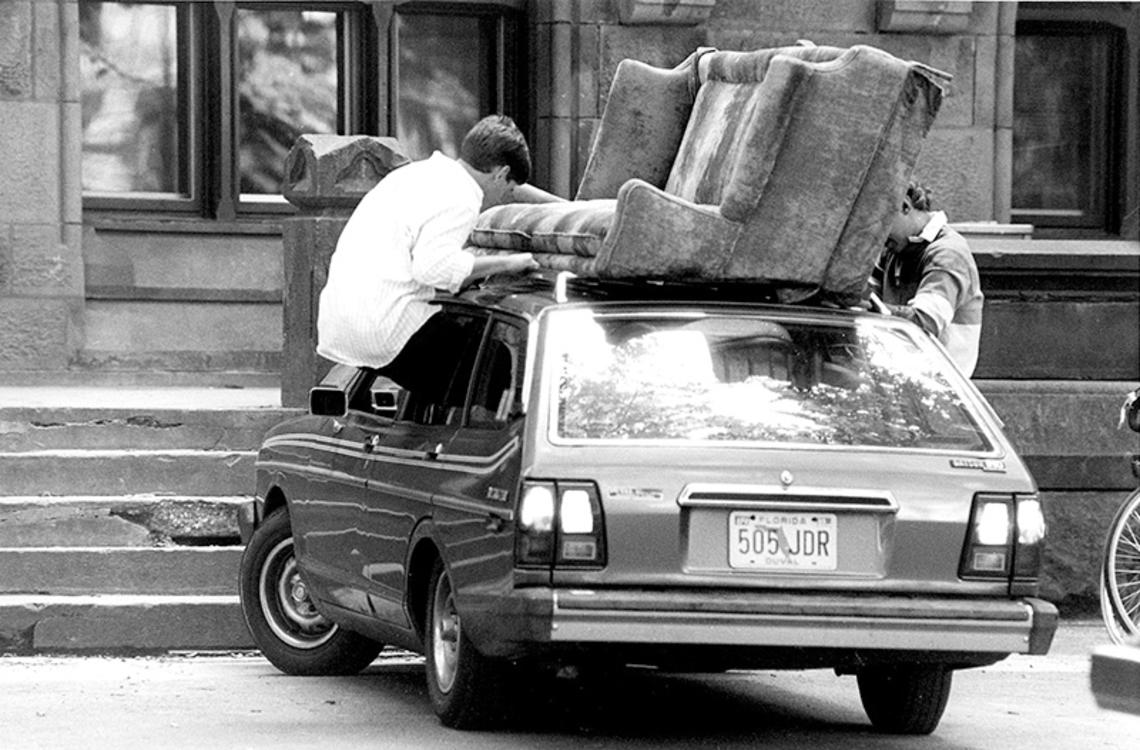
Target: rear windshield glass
x: 722, y: 378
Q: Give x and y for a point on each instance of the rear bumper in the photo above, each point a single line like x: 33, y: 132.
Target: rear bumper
x: 581, y: 618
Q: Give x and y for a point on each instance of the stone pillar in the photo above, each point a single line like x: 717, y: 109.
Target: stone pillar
x: 326, y: 176
x: 41, y: 264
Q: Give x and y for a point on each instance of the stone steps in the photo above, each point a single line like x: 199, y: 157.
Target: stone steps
x: 180, y: 571
x: 109, y: 623
x: 124, y: 521
x: 31, y: 429
x: 127, y: 472
x: 118, y: 528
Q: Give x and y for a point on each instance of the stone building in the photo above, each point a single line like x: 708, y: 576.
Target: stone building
x: 141, y: 213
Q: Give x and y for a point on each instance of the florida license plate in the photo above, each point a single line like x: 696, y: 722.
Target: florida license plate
x: 769, y: 540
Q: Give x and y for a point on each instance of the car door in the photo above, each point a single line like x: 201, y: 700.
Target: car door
x: 473, y: 506
x: 403, y: 471
x: 322, y: 511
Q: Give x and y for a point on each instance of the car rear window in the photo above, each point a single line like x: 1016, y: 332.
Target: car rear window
x: 707, y: 377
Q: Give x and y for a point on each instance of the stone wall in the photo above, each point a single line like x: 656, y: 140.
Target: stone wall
x: 41, y: 269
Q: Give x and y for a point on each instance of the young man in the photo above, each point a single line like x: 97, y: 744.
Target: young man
x: 927, y: 274
x: 405, y: 240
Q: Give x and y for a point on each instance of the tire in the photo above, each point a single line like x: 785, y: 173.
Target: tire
x: 1120, y: 574
x: 285, y: 625
x: 468, y: 690
x: 906, y: 699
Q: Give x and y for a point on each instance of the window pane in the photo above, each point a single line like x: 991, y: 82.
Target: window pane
x: 1060, y: 126
x: 128, y: 62
x: 711, y: 379
x: 446, y: 79
x: 287, y: 86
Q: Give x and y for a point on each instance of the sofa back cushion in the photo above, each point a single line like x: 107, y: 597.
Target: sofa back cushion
x: 641, y: 128
x: 717, y: 136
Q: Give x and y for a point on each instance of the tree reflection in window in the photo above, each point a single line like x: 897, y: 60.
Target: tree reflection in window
x: 445, y: 79
x: 843, y: 386
x: 286, y: 86
x: 128, y: 66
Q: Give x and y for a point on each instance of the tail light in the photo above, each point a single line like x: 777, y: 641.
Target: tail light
x: 1005, y: 540
x: 560, y: 524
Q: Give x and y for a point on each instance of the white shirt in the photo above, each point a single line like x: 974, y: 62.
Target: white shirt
x: 403, y: 241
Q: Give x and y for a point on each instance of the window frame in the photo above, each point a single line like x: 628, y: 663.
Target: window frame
x: 1108, y: 163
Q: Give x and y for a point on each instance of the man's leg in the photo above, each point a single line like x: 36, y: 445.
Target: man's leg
x: 427, y: 362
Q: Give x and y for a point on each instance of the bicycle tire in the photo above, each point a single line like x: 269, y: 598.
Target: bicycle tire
x: 1120, y: 574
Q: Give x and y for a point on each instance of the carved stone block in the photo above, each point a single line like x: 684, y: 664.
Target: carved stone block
x: 325, y: 171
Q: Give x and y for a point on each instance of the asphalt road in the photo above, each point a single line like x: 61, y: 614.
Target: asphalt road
x: 240, y: 701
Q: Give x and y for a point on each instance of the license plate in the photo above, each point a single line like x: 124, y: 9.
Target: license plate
x: 766, y: 540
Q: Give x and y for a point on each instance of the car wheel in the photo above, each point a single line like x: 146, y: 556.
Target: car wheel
x: 467, y: 689
x: 907, y: 699
x: 284, y: 623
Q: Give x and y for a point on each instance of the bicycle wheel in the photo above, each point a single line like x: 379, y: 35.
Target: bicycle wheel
x: 1120, y: 589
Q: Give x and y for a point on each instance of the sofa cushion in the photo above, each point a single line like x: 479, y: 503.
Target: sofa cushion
x: 570, y: 228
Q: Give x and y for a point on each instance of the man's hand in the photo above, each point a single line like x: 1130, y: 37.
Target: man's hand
x: 520, y: 263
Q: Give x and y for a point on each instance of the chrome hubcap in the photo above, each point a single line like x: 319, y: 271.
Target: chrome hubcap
x: 286, y: 603
x: 446, y: 631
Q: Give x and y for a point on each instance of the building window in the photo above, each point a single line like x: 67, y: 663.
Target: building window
x: 287, y: 84
x: 446, y: 79
x: 1067, y: 144
x: 134, y: 114
x: 190, y: 108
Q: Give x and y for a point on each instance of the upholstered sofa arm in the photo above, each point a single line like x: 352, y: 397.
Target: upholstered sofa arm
x: 658, y: 235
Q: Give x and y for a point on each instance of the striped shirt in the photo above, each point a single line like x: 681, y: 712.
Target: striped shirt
x: 403, y: 241
x: 934, y: 282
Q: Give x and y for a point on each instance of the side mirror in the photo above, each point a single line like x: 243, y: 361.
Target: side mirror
x: 330, y: 398
x: 386, y: 400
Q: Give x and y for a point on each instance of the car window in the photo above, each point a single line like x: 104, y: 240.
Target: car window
x: 720, y: 378
x: 498, y: 382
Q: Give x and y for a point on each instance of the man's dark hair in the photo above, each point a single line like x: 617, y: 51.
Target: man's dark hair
x: 920, y: 196
x: 496, y: 141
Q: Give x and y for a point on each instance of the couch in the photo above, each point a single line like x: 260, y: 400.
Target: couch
x: 779, y: 167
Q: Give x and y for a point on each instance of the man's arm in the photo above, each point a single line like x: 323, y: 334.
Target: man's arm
x: 527, y: 193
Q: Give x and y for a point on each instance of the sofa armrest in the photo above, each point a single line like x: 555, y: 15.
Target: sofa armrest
x: 660, y: 236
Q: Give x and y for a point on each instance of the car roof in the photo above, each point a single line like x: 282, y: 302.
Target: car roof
x: 530, y: 295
